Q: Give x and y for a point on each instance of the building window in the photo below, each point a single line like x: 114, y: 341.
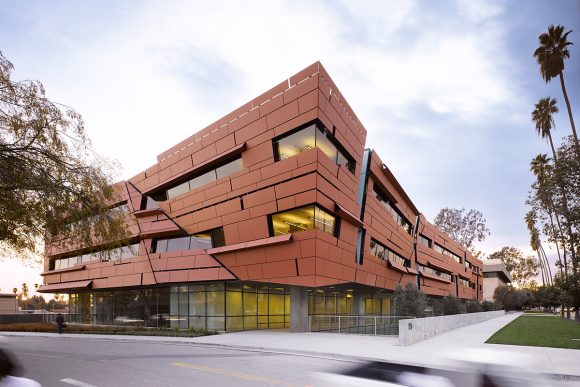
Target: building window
x: 91, y: 220
x: 464, y: 282
x: 424, y: 241
x: 438, y: 273
x: 444, y: 251
x: 392, y: 210
x: 381, y: 251
x: 303, y: 218
x: 115, y: 254
x: 202, y: 240
x: 199, y: 180
x: 312, y: 137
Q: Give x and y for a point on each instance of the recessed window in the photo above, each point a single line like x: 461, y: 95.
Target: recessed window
x: 310, y: 137
x: 392, y: 210
x: 303, y: 219
x: 383, y: 252
x: 101, y: 255
x: 444, y: 251
x: 225, y: 169
x: 464, y: 282
x: 424, y: 240
x: 438, y: 273
x: 202, y: 240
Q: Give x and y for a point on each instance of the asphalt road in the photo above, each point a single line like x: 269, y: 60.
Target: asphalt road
x: 85, y: 362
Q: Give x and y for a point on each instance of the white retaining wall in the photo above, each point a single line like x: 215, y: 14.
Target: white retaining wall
x: 413, y: 330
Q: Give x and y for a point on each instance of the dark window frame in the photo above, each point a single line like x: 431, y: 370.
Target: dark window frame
x: 318, y: 125
x: 212, y: 232
x: 378, y: 192
x: 407, y: 261
x: 162, y: 195
x: 337, y: 219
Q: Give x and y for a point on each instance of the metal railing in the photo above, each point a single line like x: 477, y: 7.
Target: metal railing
x: 357, y: 324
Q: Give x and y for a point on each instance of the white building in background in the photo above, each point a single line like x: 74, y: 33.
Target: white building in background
x: 494, y: 274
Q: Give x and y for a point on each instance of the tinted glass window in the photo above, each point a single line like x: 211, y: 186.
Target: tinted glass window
x: 302, y: 219
x: 161, y: 246
x: 312, y: 137
x: 297, y: 142
x: 201, y: 241
x: 218, y: 237
x: 325, y: 145
x: 176, y: 191
x: 177, y: 244
x: 202, y: 180
x: 229, y: 168
x: 323, y: 220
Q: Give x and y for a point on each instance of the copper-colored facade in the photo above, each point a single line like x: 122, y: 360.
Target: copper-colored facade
x: 244, y: 202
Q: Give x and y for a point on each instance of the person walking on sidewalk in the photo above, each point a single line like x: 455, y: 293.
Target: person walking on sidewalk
x: 59, y: 323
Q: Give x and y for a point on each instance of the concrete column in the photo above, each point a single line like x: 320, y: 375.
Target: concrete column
x: 358, y: 304
x: 298, y: 309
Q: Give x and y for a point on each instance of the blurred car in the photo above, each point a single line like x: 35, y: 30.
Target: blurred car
x: 473, y: 368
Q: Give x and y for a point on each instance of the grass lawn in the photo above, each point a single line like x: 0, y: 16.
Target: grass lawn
x: 104, y: 330
x: 539, y: 331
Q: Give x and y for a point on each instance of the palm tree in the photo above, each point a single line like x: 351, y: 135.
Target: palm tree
x: 542, y: 116
x: 550, y: 56
x: 539, y: 167
x: 536, y: 245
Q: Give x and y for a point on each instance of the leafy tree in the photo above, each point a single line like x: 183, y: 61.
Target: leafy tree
x: 49, y: 177
x: 550, y: 56
x: 487, y: 306
x: 56, y: 303
x: 474, y: 306
x: 522, y: 269
x: 510, y: 298
x: 24, y: 291
x: 410, y: 301
x: 557, y: 191
x: 450, y: 305
x: 465, y: 227
x: 548, y: 296
x: 35, y: 303
x: 501, y: 295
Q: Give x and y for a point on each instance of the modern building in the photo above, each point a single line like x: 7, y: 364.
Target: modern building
x: 495, y: 274
x: 8, y: 303
x: 274, y: 212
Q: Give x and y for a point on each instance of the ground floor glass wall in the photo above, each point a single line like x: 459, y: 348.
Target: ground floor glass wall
x: 215, y: 306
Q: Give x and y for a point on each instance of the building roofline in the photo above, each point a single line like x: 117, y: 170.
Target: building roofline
x: 398, y: 186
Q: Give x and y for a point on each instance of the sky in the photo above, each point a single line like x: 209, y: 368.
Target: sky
x: 445, y: 89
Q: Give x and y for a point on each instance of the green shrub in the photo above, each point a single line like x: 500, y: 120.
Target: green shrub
x: 487, y: 306
x: 410, y: 301
x: 473, y: 306
x: 450, y: 305
x: 105, y: 330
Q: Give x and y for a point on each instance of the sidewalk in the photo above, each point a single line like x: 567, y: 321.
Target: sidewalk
x: 458, y: 344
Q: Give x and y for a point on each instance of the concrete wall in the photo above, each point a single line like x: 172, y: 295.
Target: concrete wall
x: 413, y: 330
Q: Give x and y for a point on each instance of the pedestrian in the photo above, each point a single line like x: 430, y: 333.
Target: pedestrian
x: 60, y: 323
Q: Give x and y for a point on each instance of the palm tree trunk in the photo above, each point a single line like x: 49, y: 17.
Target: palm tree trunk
x: 552, y: 146
x: 556, y: 236
x: 547, y: 266
x: 541, y: 262
x: 570, y: 113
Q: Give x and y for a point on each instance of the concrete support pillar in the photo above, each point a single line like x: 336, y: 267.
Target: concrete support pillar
x: 358, y: 304
x: 298, y: 309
